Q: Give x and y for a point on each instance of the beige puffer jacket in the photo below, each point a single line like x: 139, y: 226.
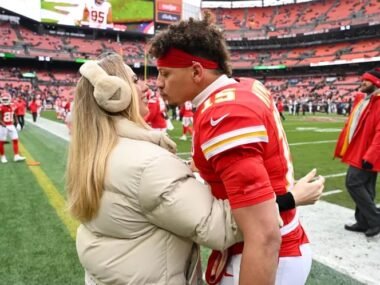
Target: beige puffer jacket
x: 152, y: 211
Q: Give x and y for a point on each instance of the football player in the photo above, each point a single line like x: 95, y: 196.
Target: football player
x: 186, y: 113
x: 7, y: 128
x: 97, y: 14
x: 241, y: 151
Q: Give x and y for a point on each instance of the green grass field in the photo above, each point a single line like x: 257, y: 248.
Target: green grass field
x: 38, y: 248
x: 132, y: 11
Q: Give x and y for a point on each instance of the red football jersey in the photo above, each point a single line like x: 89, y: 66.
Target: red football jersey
x: 7, y: 114
x: 241, y: 151
x: 186, y: 110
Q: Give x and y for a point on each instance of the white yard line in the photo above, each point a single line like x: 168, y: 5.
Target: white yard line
x: 350, y: 253
x: 55, y: 128
x: 335, y: 175
x: 307, y: 143
x: 331, y: 192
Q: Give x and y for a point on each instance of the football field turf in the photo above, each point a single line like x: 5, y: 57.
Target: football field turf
x: 37, y: 242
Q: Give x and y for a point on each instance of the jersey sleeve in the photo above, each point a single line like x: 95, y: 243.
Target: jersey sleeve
x: 233, y: 141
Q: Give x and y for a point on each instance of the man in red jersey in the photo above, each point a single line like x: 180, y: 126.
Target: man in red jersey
x: 7, y: 128
x: 186, y: 113
x: 156, y: 116
x: 241, y: 151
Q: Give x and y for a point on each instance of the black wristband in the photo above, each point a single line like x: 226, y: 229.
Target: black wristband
x: 366, y: 165
x: 285, y: 202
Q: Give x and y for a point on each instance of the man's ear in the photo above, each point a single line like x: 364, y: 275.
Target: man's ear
x: 197, y: 72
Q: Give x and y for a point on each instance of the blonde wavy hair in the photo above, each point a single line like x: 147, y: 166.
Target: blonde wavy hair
x: 93, y: 137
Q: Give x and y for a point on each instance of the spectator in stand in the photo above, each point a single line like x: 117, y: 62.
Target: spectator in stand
x: 20, y: 111
x: 173, y: 111
x: 359, y: 147
x: 33, y: 107
x: 349, y: 106
x: 40, y: 105
x: 290, y: 106
x: 186, y: 113
x: 298, y: 107
x: 310, y: 106
x: 7, y: 128
x: 14, y: 107
x: 156, y: 116
x: 280, y: 108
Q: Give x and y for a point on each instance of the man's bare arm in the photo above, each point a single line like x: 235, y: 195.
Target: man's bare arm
x: 262, y: 240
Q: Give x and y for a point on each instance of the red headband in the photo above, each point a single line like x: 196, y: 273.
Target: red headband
x: 177, y: 58
x: 368, y: 76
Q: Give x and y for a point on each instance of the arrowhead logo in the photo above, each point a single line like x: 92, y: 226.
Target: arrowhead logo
x: 217, y: 121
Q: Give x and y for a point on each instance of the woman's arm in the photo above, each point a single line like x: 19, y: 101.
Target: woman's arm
x: 174, y: 200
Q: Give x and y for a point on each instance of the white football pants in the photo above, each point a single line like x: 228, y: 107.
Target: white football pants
x: 290, y: 271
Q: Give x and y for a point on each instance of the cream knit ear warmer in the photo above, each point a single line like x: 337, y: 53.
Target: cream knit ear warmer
x: 112, y: 93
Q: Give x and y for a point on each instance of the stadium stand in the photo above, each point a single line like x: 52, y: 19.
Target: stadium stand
x: 295, y: 37
x: 310, y: 17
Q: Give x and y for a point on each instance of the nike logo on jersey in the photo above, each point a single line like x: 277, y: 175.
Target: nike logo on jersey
x: 217, y: 121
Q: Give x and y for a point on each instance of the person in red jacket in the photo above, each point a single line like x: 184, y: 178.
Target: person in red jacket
x: 20, y: 111
x: 33, y: 107
x: 359, y: 147
x: 280, y: 108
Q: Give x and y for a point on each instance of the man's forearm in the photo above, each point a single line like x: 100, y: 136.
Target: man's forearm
x: 259, y: 263
x: 262, y: 241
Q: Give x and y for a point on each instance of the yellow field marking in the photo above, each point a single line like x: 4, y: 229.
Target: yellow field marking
x: 55, y: 198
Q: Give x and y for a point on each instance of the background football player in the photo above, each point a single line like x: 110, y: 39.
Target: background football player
x: 7, y: 128
x: 97, y: 14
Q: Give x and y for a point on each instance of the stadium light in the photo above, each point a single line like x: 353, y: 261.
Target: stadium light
x: 81, y: 60
x: 7, y: 55
x: 29, y: 75
x: 269, y: 67
x: 43, y: 58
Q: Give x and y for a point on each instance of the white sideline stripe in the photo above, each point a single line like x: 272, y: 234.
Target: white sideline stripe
x: 183, y: 153
x: 359, y: 258
x: 335, y: 175
x: 317, y: 142
x: 58, y: 129
x: 332, y: 192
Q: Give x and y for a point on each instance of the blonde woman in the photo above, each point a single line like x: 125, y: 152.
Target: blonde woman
x: 141, y: 209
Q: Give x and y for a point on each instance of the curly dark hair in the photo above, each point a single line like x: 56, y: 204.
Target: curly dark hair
x: 196, y: 37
